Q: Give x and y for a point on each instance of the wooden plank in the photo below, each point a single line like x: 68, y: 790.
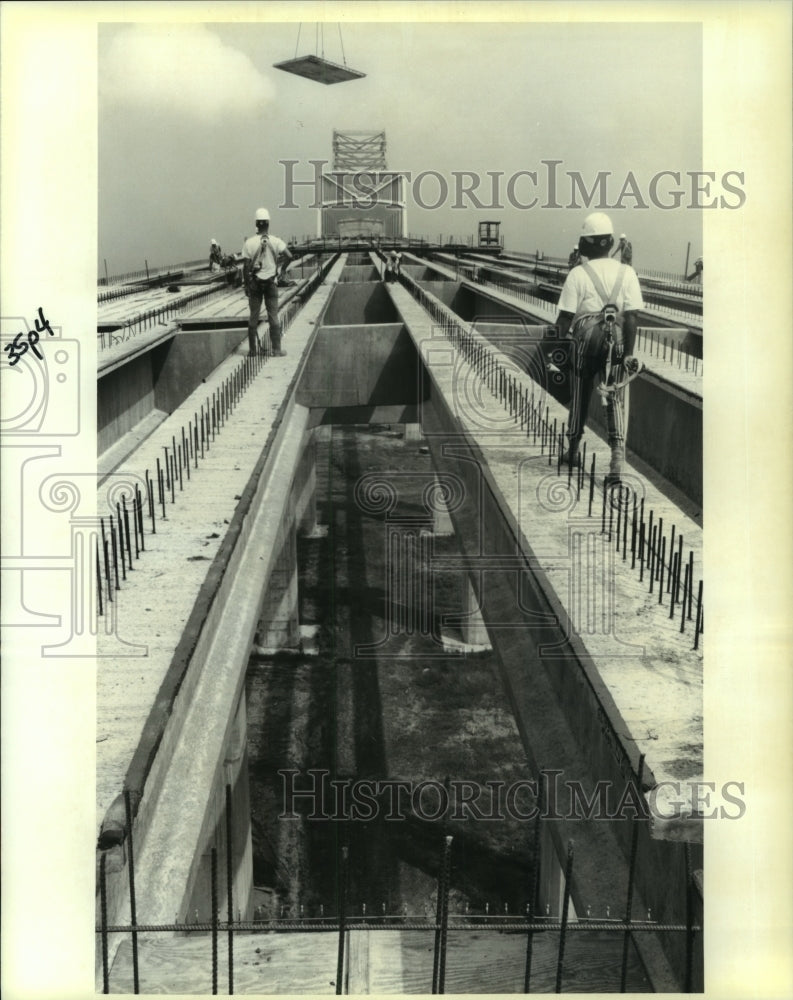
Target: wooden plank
x: 358, y: 943
x: 263, y: 964
x: 386, y: 962
x: 493, y: 962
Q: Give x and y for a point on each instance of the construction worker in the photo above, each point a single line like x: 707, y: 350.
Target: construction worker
x: 264, y: 259
x: 598, y: 282
x: 624, y: 249
x: 696, y: 274
x: 574, y: 258
x: 215, y: 255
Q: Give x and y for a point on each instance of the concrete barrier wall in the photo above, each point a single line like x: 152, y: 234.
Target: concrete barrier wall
x: 355, y: 303
x: 664, y: 429
x: 124, y: 397
x: 161, y: 379
x: 366, y: 366
x: 180, y: 365
x: 359, y: 272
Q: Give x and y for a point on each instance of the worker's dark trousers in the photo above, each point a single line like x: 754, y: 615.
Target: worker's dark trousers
x: 267, y: 290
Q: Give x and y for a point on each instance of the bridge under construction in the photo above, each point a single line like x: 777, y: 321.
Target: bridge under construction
x: 582, y: 605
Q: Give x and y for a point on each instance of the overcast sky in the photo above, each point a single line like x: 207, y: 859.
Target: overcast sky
x: 194, y: 119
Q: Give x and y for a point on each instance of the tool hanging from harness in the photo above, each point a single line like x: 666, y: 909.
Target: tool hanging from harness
x: 598, y: 340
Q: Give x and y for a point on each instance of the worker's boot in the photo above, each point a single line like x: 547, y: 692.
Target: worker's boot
x: 614, y: 475
x: 571, y: 456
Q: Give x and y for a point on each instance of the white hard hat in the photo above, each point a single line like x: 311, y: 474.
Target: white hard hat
x: 623, y: 236
x: 214, y: 242
x: 597, y: 224
x: 262, y: 215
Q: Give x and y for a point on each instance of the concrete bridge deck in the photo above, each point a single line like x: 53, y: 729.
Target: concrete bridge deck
x: 650, y: 670
x: 637, y: 699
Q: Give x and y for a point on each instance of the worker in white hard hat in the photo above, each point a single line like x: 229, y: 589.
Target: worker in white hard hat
x: 574, y: 258
x: 264, y: 259
x: 624, y: 249
x: 599, y: 358
x: 215, y: 255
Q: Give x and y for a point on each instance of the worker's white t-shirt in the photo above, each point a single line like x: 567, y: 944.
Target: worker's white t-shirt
x: 579, y: 295
x: 267, y: 260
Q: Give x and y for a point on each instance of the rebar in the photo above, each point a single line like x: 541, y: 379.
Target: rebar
x: 115, y: 551
x: 687, y: 988
x: 214, y: 904
x: 568, y: 873
x: 103, y: 925
x: 230, y: 886
x: 442, y: 919
x: 342, y: 907
x: 132, y: 902
x: 631, y: 878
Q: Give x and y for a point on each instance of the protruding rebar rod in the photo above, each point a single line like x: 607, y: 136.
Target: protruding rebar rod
x: 663, y: 567
x: 442, y: 918
x: 603, y: 514
x: 670, y: 575
x: 689, y: 975
x: 658, y: 563
x: 186, y: 453
x: 214, y: 904
x: 98, y: 580
x: 631, y: 877
x: 230, y: 884
x: 698, y: 623
x: 568, y: 874
x: 115, y: 551
x: 103, y: 918
x: 126, y: 529
x: 591, y: 485
x: 120, y: 529
x: 641, y: 552
x: 625, y: 522
x: 533, y: 884
x: 139, y: 495
x: 673, y: 592
x: 133, y: 912
x: 162, y: 489
x: 684, y: 602
x: 342, y: 890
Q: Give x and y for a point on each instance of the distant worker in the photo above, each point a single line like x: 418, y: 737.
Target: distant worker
x: 393, y: 265
x: 624, y: 249
x: 215, y: 256
x: 261, y: 256
x: 574, y: 259
x: 597, y: 311
x: 696, y: 274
